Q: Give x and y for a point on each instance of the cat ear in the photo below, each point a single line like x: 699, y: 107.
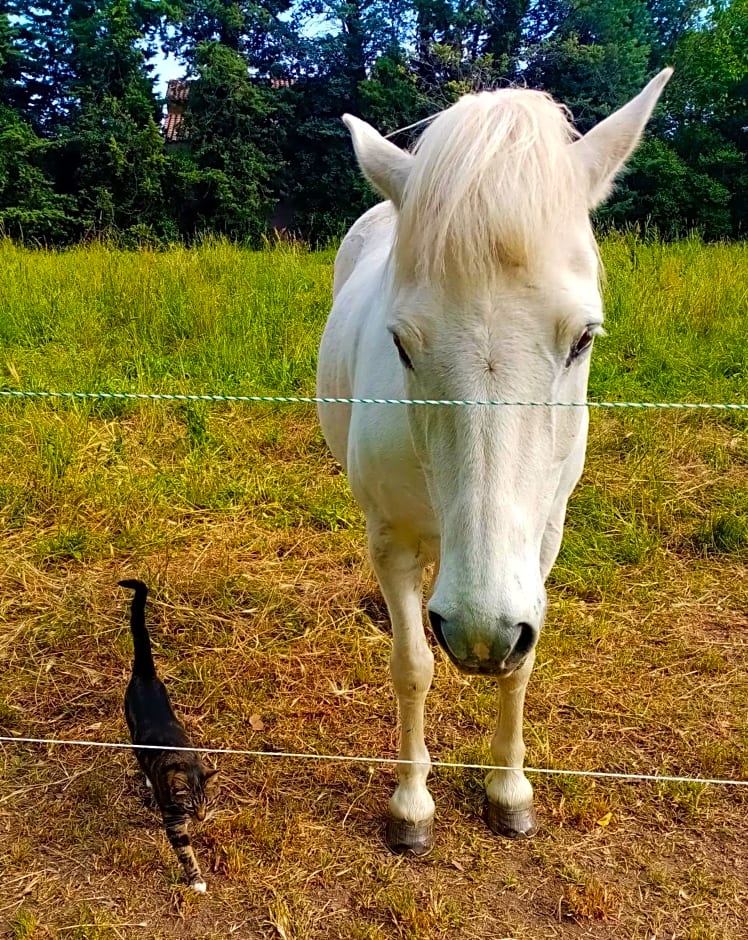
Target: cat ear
x: 209, y: 773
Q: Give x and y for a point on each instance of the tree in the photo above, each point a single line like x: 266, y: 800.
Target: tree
x: 81, y: 149
x: 591, y: 54
x: 662, y: 192
x: 670, y: 21
x: 709, y: 104
x: 11, y: 62
x: 112, y: 152
x: 46, y: 41
x: 253, y: 29
x: 222, y: 182
x: 30, y: 209
x: 357, y: 66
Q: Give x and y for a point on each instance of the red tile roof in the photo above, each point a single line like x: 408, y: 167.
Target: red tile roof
x: 174, y: 129
x: 177, y: 89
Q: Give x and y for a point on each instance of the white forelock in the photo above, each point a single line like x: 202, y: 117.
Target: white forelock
x: 492, y: 180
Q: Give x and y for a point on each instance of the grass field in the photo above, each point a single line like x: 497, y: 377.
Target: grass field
x: 271, y: 634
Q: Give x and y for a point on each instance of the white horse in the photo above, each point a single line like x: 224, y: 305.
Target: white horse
x: 477, y: 279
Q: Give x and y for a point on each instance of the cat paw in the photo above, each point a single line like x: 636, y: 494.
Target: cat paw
x: 199, y: 886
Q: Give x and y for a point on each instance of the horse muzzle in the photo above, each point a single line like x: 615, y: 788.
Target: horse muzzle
x: 488, y: 653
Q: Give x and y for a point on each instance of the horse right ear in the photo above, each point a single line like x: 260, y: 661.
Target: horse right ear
x: 603, y: 151
x: 385, y: 166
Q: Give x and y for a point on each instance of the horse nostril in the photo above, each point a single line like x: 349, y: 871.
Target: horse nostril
x: 525, y: 641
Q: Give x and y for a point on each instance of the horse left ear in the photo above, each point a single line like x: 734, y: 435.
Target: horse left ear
x: 386, y: 166
x: 604, y: 150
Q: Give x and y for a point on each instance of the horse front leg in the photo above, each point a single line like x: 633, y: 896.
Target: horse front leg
x: 399, y: 571
x: 509, y: 809
x: 509, y: 803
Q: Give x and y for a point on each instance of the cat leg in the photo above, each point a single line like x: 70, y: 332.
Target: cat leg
x: 149, y: 797
x: 179, y: 837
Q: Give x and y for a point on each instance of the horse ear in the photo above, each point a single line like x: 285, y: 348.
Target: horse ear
x: 604, y: 150
x: 382, y: 163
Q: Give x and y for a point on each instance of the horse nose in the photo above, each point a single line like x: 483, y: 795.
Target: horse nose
x: 499, y: 649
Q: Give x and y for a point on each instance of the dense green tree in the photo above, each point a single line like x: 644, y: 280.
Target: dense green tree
x: 595, y: 54
x: 111, y: 150
x: 591, y: 54
x: 29, y: 206
x: 321, y: 188
x: 47, y: 41
x: 81, y: 149
x: 353, y: 63
x: 258, y: 30
x: 709, y: 105
x: 662, y: 192
x: 222, y: 181
x: 670, y: 20
x: 11, y: 62
x: 113, y: 48
x: 390, y: 96
x: 30, y: 209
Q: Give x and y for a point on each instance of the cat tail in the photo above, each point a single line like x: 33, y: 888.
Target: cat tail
x: 143, y: 666
x: 178, y: 835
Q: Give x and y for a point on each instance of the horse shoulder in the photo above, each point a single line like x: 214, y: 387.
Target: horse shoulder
x: 370, y: 229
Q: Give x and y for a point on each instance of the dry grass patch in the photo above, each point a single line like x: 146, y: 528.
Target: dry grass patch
x: 269, y: 631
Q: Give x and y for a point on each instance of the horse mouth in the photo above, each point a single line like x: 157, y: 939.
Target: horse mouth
x: 473, y: 667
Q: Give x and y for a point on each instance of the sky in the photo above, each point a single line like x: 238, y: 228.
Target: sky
x: 167, y: 67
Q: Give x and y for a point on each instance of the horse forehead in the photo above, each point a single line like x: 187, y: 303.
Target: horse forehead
x: 565, y: 266
x: 532, y: 300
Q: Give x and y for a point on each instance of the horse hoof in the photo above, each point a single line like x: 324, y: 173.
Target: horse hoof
x: 407, y: 838
x: 511, y: 823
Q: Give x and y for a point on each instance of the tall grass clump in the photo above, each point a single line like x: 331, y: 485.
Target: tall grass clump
x: 213, y: 318
x: 676, y: 318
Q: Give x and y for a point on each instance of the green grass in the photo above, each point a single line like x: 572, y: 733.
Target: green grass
x: 263, y: 606
x: 222, y: 319
x: 214, y: 319
x: 676, y: 318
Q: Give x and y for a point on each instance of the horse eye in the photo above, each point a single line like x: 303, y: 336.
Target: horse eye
x: 401, y: 352
x: 584, y: 342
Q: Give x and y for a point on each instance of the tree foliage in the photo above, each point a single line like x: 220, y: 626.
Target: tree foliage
x: 82, y: 151
x: 222, y: 181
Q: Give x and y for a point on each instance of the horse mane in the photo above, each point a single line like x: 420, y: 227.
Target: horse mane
x: 492, y: 177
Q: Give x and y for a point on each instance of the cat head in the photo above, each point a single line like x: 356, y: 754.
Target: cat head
x: 191, y: 788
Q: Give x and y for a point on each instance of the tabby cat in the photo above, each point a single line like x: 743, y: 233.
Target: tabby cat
x: 181, y: 783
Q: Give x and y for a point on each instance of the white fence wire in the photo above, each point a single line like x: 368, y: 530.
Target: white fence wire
x: 358, y: 759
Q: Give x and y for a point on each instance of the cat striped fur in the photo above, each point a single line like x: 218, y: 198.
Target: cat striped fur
x: 182, y: 784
